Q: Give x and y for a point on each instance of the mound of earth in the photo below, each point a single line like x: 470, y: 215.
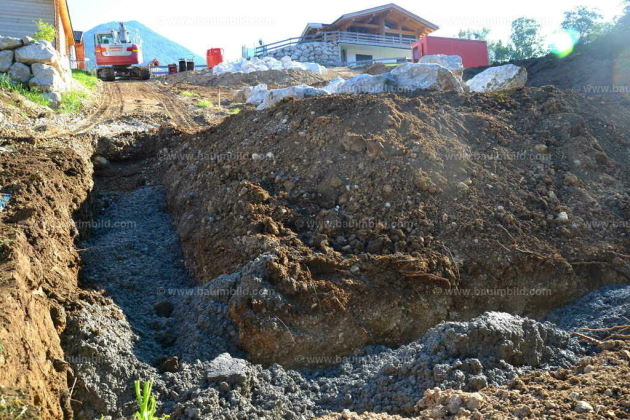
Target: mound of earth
x: 598, y: 68
x: 272, y: 78
x: 590, y: 390
x: 368, y: 219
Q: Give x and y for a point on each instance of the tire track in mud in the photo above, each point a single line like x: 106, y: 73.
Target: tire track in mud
x: 174, y: 111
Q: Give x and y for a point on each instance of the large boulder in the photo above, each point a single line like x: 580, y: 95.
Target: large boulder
x: 9, y: 42
x: 452, y: 62
x: 46, y: 79
x: 6, y: 59
x: 39, y: 52
x: 366, y: 83
x: 256, y: 94
x: 334, y: 84
x: 498, y: 78
x: 20, y: 72
x: 412, y: 76
x: 272, y: 97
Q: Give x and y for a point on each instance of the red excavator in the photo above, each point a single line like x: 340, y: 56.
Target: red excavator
x: 119, y: 56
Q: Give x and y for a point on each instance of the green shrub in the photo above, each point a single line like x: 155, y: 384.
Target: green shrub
x: 188, y: 93
x: 45, y: 31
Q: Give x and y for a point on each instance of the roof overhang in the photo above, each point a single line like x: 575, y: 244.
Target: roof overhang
x: 383, y: 8
x: 64, y: 13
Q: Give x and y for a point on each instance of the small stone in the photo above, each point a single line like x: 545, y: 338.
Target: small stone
x: 583, y: 407
x: 171, y: 364
x: 562, y: 217
x: 225, y: 368
x: 570, y: 179
x: 355, y: 269
x: 100, y: 162
x: 462, y: 186
x: 541, y: 148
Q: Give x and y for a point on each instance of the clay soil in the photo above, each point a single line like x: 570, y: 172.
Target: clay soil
x: 380, y: 210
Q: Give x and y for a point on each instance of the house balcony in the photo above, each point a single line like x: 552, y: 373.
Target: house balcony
x: 341, y: 37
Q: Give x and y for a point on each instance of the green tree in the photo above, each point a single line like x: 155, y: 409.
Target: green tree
x: 586, y: 22
x: 500, y: 52
x: 526, y: 39
x: 478, y: 34
x: 45, y: 31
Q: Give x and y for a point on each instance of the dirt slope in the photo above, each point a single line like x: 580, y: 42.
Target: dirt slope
x: 379, y: 210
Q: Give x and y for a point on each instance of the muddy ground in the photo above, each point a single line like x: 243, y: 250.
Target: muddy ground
x: 171, y: 234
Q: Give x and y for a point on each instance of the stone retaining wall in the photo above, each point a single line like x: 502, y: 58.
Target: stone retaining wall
x: 36, y: 64
x: 324, y: 53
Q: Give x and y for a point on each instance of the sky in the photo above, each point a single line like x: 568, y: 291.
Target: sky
x: 230, y: 24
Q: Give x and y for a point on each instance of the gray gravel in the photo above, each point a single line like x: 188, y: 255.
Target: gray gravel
x: 158, y: 313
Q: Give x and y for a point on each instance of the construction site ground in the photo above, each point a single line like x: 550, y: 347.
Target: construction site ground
x: 347, y: 252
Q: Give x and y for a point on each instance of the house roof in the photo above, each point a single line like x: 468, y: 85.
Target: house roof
x: 384, y: 8
x: 347, y: 18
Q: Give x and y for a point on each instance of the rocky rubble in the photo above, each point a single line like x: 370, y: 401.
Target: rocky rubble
x: 37, y: 64
x: 324, y: 53
x: 266, y: 63
x: 433, y: 72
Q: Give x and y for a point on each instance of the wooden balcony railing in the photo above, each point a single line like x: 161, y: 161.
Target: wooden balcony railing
x: 392, y: 41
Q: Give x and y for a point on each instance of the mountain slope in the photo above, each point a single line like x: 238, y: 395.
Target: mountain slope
x: 154, y: 45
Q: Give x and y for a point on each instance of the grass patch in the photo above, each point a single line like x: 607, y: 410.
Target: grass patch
x: 9, y: 85
x: 234, y: 111
x: 72, y: 102
x: 188, y: 93
x: 204, y: 103
x: 88, y: 80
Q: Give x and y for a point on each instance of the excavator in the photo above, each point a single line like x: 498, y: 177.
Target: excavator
x: 119, y: 56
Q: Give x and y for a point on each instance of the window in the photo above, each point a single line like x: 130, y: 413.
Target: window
x: 104, y: 39
x: 363, y: 57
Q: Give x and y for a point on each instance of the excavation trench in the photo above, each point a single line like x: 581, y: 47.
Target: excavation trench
x: 143, y: 317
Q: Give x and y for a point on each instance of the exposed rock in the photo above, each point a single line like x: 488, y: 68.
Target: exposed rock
x: 46, y: 78
x: 452, y: 62
x: 54, y: 99
x: 100, y: 162
x: 225, y: 368
x: 334, y: 84
x: 20, y: 72
x: 9, y: 42
x: 39, y: 52
x: 583, y: 407
x: 255, y: 94
x: 6, y: 59
x: 272, y: 97
x: 412, y: 76
x: 366, y: 83
x: 498, y: 78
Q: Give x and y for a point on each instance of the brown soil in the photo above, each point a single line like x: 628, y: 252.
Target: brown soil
x: 601, y: 381
x: 386, y: 214
x: 39, y: 266
x: 272, y: 78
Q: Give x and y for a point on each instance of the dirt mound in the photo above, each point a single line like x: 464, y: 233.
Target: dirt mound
x: 272, y: 78
x: 381, y: 215
x: 598, y: 68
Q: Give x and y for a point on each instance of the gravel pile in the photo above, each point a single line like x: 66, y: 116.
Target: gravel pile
x: 161, y: 327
